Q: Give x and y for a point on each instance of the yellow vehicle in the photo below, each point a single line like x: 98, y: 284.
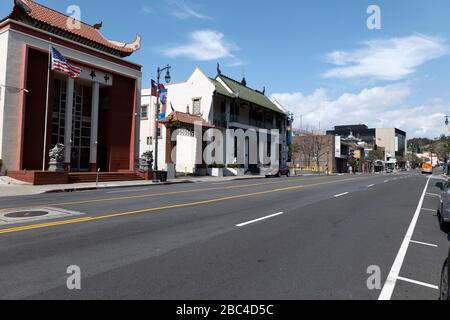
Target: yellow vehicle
x: 427, y: 168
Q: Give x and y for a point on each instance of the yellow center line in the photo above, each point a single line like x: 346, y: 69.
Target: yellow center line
x: 150, y: 195
x: 148, y: 210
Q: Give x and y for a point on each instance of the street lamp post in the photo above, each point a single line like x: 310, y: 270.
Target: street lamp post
x: 167, y: 78
x: 447, y: 122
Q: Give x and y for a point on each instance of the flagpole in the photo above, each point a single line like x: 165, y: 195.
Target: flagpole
x: 44, y: 157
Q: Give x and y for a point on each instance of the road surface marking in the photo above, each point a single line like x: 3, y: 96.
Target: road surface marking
x: 175, y: 206
x: 431, y: 210
x: 433, y: 195
x: 45, y: 225
x: 260, y: 219
x: 425, y: 244
x: 386, y: 181
x: 341, y: 195
x: 370, y: 185
x: 162, y: 194
x: 423, y: 284
x: 389, y: 286
x: 124, y: 191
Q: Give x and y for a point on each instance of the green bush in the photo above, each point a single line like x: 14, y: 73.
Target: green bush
x: 216, y: 166
x: 234, y: 166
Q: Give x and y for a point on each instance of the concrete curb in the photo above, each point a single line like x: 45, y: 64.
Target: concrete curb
x: 69, y: 190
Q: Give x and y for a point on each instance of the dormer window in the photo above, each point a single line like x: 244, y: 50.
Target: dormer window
x: 196, y: 106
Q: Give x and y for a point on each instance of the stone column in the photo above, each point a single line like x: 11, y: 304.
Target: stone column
x: 94, y: 126
x: 68, y: 125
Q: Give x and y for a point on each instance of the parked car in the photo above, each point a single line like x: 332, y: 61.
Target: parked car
x: 445, y: 283
x: 444, y: 206
x: 278, y: 172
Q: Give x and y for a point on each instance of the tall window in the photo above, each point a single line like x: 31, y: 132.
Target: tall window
x: 196, y: 105
x: 144, y: 112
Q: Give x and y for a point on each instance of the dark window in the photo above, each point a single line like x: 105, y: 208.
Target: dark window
x: 196, y: 106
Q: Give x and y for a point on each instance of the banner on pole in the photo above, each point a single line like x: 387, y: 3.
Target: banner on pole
x: 162, y: 104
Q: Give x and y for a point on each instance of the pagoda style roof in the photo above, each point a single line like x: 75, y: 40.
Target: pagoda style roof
x: 42, y: 17
x: 229, y: 87
x: 187, y: 119
x: 245, y: 93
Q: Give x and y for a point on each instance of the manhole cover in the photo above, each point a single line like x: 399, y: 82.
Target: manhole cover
x: 26, y: 214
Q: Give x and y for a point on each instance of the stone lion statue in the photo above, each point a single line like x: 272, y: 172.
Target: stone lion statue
x: 57, y: 153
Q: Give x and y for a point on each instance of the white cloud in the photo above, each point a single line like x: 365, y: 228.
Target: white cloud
x: 386, y: 59
x: 380, y: 107
x: 204, y: 45
x: 183, y: 11
x: 147, y: 10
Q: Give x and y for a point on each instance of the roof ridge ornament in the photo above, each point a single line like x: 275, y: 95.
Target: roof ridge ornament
x: 98, y: 26
x: 22, y: 5
x: 135, y: 45
x: 219, y: 72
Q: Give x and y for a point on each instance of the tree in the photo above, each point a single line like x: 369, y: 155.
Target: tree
x: 294, y: 152
x: 310, y: 149
x: 319, y: 148
x: 376, y: 155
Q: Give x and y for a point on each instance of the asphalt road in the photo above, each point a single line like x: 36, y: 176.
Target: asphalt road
x: 288, y: 238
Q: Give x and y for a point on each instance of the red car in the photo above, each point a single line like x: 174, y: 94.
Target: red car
x: 278, y: 172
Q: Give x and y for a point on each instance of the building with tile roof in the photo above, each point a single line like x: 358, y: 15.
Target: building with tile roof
x: 223, y: 103
x: 93, y: 116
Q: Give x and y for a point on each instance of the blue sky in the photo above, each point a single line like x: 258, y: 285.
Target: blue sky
x: 317, y: 57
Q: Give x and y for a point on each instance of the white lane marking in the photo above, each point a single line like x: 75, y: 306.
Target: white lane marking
x: 124, y: 191
x: 260, y: 219
x: 431, y: 210
x: 389, y: 286
x: 221, y: 183
x: 370, y: 185
x: 386, y: 181
x: 341, y: 195
x: 433, y: 195
x: 423, y: 284
x: 425, y: 244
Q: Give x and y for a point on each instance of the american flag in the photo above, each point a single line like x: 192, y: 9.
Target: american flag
x: 59, y: 63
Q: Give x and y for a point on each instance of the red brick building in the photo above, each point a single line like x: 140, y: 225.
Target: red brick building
x: 94, y: 115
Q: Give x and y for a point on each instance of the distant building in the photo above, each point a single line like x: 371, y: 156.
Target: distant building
x: 359, y: 131
x: 328, y: 153
x: 392, y: 140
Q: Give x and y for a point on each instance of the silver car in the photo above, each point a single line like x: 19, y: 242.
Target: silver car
x: 444, y: 206
x: 445, y: 283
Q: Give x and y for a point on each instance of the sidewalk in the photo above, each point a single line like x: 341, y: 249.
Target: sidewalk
x: 10, y: 187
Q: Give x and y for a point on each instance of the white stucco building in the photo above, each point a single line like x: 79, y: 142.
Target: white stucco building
x: 221, y: 103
